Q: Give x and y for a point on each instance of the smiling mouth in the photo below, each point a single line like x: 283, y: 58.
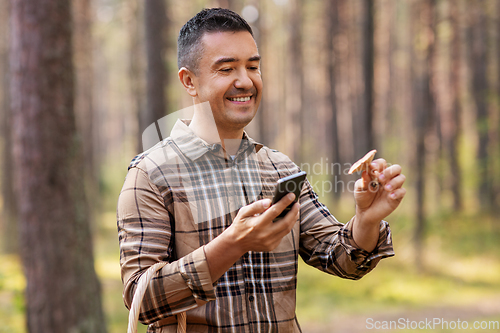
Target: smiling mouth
x: 239, y: 99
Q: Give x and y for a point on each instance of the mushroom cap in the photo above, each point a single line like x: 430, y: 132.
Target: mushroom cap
x: 361, y: 163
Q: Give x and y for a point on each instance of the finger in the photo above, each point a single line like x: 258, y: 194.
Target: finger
x: 395, y: 183
x: 390, y: 172
x: 377, y: 166
x: 258, y: 207
x: 289, y: 220
x: 278, y: 207
x: 293, y: 213
x: 398, y: 194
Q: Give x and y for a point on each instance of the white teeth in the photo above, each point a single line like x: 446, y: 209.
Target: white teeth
x: 240, y: 99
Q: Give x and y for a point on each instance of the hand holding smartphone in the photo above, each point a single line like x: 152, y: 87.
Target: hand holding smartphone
x: 289, y: 184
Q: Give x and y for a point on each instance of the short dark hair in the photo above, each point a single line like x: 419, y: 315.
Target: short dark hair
x: 189, y: 48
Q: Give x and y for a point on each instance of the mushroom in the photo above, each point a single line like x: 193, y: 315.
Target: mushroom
x: 364, y: 164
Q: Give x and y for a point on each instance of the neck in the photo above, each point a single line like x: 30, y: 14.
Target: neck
x: 204, y: 126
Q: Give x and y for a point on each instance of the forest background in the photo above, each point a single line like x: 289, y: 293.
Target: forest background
x: 418, y: 80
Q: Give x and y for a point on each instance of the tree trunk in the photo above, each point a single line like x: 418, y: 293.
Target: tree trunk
x: 155, y: 24
x: 82, y: 45
x: 364, y: 133
x: 295, y: 82
x: 346, y: 107
x: 84, y: 108
x: 480, y: 97
x: 136, y: 66
x: 496, y: 204
x: 454, y: 120
x: 260, y: 35
x: 9, y: 211
x: 332, y: 34
x: 63, y: 293
x: 435, y: 149
x: 423, y: 108
x: 383, y: 127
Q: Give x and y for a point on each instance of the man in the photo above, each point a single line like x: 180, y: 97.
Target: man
x: 200, y: 200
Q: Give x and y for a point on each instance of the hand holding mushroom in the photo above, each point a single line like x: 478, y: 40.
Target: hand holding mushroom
x: 377, y: 194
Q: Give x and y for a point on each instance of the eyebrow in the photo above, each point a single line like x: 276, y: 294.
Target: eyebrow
x: 254, y: 58
x: 227, y: 59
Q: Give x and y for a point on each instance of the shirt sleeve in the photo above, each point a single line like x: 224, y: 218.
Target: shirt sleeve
x: 145, y: 238
x: 328, y: 244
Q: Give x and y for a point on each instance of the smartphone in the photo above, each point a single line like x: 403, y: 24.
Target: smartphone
x: 289, y: 184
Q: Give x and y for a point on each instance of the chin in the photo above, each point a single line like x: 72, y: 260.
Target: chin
x: 241, y: 118
x: 244, y: 120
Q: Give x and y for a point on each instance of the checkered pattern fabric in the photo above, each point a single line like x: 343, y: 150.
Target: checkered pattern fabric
x: 181, y: 194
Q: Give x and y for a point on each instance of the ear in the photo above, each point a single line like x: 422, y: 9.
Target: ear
x: 187, y: 79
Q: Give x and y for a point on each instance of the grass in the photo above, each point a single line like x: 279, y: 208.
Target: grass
x: 462, y: 268
x: 394, y: 286
x: 12, y: 284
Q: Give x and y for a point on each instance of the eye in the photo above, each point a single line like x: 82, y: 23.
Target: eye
x: 226, y: 69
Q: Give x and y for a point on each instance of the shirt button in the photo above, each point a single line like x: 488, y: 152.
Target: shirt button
x: 251, y: 298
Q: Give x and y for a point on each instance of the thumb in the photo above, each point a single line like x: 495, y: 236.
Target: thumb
x: 256, y: 208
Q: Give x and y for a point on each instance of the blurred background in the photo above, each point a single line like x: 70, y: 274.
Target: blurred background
x: 418, y: 80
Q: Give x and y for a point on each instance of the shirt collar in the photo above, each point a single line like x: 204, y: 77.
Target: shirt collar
x: 194, y: 147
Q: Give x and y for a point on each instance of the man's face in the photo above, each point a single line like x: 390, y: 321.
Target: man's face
x: 229, y: 78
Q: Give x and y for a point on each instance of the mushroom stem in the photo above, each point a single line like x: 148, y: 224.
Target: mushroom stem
x: 374, y: 183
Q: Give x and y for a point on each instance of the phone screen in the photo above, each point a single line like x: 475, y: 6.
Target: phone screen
x: 289, y: 184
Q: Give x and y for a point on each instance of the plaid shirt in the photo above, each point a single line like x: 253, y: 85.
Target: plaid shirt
x: 181, y: 194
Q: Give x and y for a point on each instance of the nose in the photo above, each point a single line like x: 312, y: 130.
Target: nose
x: 243, y: 81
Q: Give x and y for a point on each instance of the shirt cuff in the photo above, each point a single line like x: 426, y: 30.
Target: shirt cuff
x: 362, y: 258
x: 195, y: 272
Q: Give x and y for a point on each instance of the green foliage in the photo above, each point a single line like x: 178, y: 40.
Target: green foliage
x: 12, y: 284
